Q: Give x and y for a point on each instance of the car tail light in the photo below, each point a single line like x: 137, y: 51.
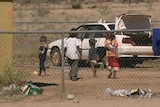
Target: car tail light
x: 126, y: 40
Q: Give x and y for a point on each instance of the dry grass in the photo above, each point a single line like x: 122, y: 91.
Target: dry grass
x: 89, y: 12
x: 26, y: 51
x: 106, y: 11
x: 28, y: 44
x: 90, y: 88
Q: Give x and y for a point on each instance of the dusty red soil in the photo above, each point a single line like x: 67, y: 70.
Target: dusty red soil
x: 89, y: 90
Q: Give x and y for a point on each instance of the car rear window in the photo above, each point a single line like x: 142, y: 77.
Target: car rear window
x: 111, y: 26
x: 96, y: 27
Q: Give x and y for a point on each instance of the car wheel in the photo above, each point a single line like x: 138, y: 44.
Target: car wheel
x: 56, y: 57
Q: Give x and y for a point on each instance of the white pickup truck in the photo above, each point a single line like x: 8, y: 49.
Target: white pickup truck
x: 132, y: 45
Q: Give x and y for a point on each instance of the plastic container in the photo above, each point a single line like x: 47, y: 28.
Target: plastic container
x: 34, y: 90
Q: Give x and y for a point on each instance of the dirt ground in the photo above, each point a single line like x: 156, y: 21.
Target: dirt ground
x: 154, y: 102
x: 90, y: 91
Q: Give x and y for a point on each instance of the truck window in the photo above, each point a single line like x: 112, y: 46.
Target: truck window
x: 92, y: 34
x: 98, y: 34
x: 82, y: 28
x: 111, y: 26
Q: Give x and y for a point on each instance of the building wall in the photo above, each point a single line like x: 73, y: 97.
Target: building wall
x: 6, y: 24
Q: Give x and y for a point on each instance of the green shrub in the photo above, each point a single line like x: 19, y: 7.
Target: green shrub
x: 76, y: 5
x: 10, y: 76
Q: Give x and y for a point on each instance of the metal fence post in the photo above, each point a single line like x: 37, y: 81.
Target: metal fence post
x: 27, y: 37
x: 62, y: 55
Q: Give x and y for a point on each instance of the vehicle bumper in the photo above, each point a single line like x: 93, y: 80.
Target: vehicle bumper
x: 135, y: 50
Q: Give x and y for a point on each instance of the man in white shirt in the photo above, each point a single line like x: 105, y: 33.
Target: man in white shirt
x: 72, y: 52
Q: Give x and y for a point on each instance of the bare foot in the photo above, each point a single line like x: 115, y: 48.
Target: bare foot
x: 45, y: 74
x: 95, y: 76
x: 115, y: 78
x: 109, y: 76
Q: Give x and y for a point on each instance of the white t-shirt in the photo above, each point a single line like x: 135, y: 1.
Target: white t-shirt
x: 71, y: 44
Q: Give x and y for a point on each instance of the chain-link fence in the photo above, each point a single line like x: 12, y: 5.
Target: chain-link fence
x: 144, y: 74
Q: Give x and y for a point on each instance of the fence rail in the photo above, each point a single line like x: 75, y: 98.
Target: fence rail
x: 66, y: 32
x: 57, y: 26
x: 154, y: 21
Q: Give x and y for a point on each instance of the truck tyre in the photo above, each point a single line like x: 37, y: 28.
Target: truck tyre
x: 56, y: 57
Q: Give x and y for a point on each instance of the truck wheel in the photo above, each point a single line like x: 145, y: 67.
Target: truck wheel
x: 56, y: 57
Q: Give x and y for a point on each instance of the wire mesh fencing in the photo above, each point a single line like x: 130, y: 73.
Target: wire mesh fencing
x: 135, y: 72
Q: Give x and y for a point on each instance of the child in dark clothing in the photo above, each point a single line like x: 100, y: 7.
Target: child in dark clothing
x: 93, y: 56
x: 42, y: 54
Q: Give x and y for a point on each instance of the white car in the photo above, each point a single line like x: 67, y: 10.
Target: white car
x: 131, y: 44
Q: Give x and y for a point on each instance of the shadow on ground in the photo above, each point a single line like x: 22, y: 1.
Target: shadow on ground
x: 39, y: 84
